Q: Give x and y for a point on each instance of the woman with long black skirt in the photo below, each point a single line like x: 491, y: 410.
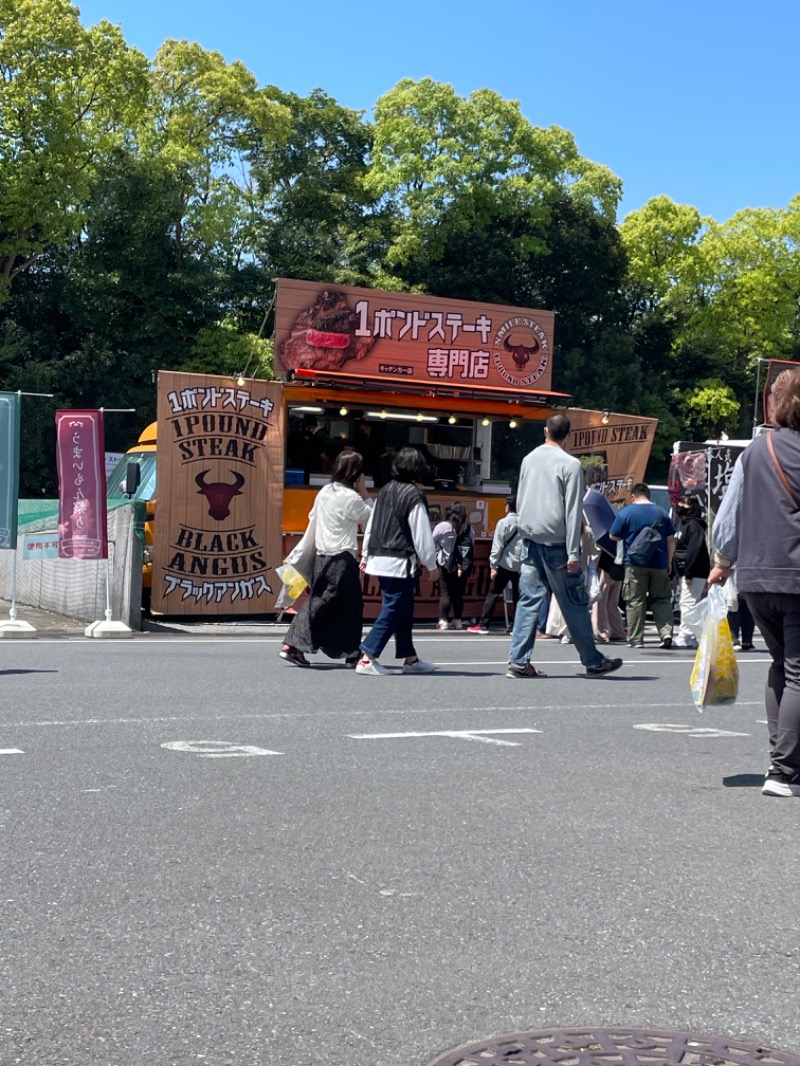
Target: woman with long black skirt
x: 332, y: 618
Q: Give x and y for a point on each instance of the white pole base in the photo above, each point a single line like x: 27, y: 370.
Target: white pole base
x: 15, y: 627
x: 106, y: 630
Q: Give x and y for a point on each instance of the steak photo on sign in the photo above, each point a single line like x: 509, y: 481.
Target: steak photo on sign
x: 323, y: 336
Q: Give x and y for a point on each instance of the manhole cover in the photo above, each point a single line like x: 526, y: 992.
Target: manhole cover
x: 613, y: 1047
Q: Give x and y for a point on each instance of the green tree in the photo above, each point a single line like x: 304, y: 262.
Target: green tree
x: 662, y: 243
x: 205, y: 123
x: 755, y: 262
x: 316, y: 217
x: 710, y: 409
x: 70, y: 96
x: 448, y: 164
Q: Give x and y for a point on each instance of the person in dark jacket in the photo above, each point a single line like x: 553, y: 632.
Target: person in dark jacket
x: 690, y: 562
x: 757, y: 527
x: 397, y: 540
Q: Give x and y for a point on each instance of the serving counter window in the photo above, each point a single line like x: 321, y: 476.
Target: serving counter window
x: 316, y: 434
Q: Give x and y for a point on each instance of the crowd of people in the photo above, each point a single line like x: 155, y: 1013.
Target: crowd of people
x: 561, y: 582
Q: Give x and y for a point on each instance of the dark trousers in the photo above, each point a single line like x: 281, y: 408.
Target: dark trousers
x: 742, y: 621
x: 496, y: 587
x: 451, y: 594
x: 395, y: 620
x: 777, y: 615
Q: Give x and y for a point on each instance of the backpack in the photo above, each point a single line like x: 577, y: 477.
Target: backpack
x: 644, y: 547
x: 462, y: 555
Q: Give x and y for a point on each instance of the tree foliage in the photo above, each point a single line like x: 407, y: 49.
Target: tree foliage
x: 70, y: 97
x: 146, y: 207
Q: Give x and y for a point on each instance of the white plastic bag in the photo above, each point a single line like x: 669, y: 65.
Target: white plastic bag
x: 715, y: 674
x: 694, y: 617
x: 556, y: 625
x: 592, y: 582
x: 732, y: 594
x: 303, y: 554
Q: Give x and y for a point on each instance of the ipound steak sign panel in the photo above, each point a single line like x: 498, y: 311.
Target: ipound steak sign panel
x: 219, y: 496
x: 614, y: 454
x: 384, y: 335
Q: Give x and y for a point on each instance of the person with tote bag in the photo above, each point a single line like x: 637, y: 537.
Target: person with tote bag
x: 332, y: 618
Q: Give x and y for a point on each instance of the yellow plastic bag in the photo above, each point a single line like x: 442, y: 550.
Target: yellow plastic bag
x: 715, y: 674
x: 293, y: 582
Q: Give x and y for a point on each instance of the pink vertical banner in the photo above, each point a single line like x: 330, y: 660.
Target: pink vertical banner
x: 80, y: 457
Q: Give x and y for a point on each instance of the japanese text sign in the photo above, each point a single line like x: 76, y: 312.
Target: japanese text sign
x: 80, y: 458
x: 386, y: 335
x: 220, y: 495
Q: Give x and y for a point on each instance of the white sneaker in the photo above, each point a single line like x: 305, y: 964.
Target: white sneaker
x: 367, y: 666
x: 442, y: 624
x: 419, y: 667
x: 685, y: 642
x: 456, y: 624
x: 777, y: 784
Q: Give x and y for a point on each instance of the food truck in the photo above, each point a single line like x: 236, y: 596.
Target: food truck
x: 240, y: 461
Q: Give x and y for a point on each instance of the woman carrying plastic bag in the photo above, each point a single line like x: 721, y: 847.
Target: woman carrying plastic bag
x: 715, y: 675
x: 757, y: 528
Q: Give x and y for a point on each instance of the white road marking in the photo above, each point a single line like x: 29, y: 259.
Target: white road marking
x: 159, y: 642
x: 217, y: 749
x: 339, y: 713
x: 689, y: 730
x: 11, y: 751
x: 483, y: 736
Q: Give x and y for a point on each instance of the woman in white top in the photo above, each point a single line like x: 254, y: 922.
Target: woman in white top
x: 332, y: 618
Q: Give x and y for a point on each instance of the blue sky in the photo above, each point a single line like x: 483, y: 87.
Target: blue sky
x: 695, y: 99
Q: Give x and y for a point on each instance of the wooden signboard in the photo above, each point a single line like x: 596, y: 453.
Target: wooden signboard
x: 383, y: 336
x: 614, y: 454
x: 220, y: 496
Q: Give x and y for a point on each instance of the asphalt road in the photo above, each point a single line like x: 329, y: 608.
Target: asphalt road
x: 209, y: 856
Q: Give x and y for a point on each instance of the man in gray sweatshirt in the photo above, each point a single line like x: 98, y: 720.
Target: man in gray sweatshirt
x: 550, y: 513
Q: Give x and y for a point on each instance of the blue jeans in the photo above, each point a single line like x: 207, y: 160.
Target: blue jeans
x: 544, y: 569
x: 395, y: 620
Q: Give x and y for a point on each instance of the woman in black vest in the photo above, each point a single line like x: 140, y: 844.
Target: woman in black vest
x: 397, y: 539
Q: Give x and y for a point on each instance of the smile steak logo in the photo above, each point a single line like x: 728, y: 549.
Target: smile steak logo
x: 521, y: 351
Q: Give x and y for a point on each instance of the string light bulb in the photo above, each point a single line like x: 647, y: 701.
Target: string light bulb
x: 240, y: 381
x: 485, y: 421
x: 604, y: 419
x: 513, y: 424
x: 384, y: 414
x: 342, y: 411
x: 420, y: 416
x: 452, y: 420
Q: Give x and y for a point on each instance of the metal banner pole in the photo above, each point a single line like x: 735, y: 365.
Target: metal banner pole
x: 109, y: 566
x: 13, y: 626
x: 759, y: 361
x: 107, y: 629
x: 12, y: 614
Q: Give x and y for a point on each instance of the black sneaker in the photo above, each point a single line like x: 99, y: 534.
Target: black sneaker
x: 292, y: 655
x: 523, y: 671
x: 779, y: 784
x: 607, y: 666
x: 666, y: 642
